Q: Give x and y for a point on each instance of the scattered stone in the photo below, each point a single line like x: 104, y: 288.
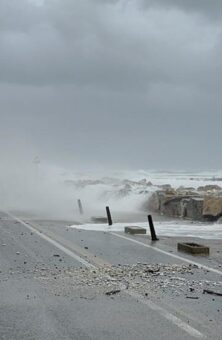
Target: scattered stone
x: 152, y: 271
x: 208, y: 291
x: 157, y: 278
x: 113, y: 292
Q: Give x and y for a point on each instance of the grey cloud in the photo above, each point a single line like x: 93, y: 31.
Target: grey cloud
x: 86, y: 81
x: 210, y: 9
x: 116, y: 47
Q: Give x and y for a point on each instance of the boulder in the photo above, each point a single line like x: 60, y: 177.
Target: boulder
x: 154, y: 202
x: 212, y: 207
x: 204, y: 204
x: 125, y: 190
x: 219, y: 221
x: 185, y: 189
x: 209, y: 187
x: 174, y: 206
x: 142, y: 181
x: 194, y: 208
x: 166, y: 187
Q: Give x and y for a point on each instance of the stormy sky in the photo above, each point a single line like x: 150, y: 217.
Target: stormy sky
x: 111, y: 83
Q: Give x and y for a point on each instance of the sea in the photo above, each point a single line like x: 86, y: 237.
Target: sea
x: 53, y: 193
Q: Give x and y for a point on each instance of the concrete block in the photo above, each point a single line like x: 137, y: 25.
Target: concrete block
x: 193, y: 248
x: 135, y: 230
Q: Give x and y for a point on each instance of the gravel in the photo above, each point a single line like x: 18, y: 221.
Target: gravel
x: 141, y: 277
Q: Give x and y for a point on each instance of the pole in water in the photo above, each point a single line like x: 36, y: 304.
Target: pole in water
x: 109, y: 218
x: 80, y: 207
x: 152, y: 229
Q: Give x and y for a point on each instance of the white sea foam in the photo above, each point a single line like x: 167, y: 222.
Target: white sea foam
x: 173, y: 228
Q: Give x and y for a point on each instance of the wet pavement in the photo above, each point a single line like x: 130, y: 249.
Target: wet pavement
x: 111, y: 288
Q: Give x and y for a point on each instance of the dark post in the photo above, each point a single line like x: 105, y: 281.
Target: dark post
x: 109, y: 218
x: 80, y: 207
x: 152, y: 229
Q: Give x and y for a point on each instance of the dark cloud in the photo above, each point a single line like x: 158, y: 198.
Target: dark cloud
x: 211, y: 9
x: 87, y: 82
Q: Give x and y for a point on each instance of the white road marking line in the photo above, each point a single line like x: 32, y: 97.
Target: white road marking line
x: 167, y: 315
x: 54, y: 243
x: 199, y: 265
x: 163, y: 312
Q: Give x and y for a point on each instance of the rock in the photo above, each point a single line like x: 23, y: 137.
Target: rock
x: 187, y: 203
x: 113, y: 292
x: 166, y: 187
x: 212, y: 207
x: 154, y: 202
x: 219, y: 221
x: 179, y: 206
x: 173, y: 207
x: 142, y: 181
x: 209, y: 188
x: 208, y: 291
x: 183, y: 190
x: 158, y: 199
x: 194, y: 208
x: 125, y: 190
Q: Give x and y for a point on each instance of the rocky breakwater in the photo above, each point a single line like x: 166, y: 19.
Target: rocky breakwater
x: 201, y: 204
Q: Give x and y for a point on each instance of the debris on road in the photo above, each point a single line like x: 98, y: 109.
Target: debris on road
x: 113, y: 292
x: 161, y: 279
x: 211, y: 292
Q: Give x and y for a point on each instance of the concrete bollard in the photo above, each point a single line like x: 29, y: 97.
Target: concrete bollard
x: 152, y: 229
x: 109, y: 218
x: 80, y: 207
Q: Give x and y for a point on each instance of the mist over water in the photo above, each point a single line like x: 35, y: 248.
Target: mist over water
x: 47, y: 191
x: 53, y: 192
x: 34, y: 189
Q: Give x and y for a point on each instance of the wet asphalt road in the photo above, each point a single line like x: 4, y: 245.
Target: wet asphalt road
x: 37, y: 306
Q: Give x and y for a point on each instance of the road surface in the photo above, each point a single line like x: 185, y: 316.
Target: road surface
x: 42, y: 296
